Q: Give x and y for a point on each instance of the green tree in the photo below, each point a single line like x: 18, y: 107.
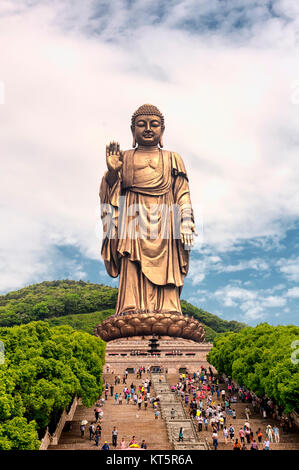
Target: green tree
x: 18, y: 434
x: 45, y: 368
x: 260, y: 359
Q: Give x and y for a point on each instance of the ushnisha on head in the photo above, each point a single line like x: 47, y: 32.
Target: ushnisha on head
x: 147, y: 126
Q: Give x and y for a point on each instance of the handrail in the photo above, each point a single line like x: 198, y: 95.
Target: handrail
x: 54, y: 438
x: 46, y: 440
x: 189, y: 418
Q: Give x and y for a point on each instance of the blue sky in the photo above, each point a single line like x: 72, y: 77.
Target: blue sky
x: 259, y: 281
x: 225, y: 75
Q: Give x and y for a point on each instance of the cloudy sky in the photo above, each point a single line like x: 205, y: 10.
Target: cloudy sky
x: 224, y: 73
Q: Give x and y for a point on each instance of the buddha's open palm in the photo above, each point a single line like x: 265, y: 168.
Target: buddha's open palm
x: 114, y: 156
x: 187, y: 233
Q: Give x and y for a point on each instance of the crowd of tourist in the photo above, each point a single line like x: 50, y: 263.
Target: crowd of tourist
x: 210, y: 402
x: 138, y: 395
x: 208, y: 399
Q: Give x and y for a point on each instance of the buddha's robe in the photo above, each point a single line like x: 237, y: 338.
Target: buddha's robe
x: 141, y: 215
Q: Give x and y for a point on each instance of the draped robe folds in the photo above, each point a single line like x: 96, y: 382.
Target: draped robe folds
x: 141, y: 216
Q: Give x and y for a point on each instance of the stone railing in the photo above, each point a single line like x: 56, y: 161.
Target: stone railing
x: 73, y: 408
x: 125, y: 343
x: 53, y: 439
x: 295, y: 417
x: 57, y: 433
x: 46, y: 441
x: 208, y: 447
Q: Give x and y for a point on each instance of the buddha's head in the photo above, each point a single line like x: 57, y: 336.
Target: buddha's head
x: 147, y: 126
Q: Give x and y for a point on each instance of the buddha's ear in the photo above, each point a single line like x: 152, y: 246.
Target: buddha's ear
x: 134, y: 138
x: 161, y: 140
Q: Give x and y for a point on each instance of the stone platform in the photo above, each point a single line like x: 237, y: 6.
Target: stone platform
x: 175, y: 354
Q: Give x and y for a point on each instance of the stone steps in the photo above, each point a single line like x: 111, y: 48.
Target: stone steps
x: 159, y: 433
x: 127, y: 418
x: 168, y: 400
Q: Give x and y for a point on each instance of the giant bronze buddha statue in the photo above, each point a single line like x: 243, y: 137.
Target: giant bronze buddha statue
x: 148, y: 233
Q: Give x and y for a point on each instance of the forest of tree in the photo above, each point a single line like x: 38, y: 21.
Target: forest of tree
x: 83, y: 305
x: 260, y: 359
x: 44, y: 369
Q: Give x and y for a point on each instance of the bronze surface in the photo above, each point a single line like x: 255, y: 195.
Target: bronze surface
x: 151, y: 269
x: 145, y: 324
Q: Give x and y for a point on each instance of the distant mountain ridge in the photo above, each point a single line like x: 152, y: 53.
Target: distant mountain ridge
x: 83, y: 305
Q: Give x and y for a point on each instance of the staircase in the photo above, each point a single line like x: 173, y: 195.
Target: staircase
x: 161, y: 433
x: 127, y: 418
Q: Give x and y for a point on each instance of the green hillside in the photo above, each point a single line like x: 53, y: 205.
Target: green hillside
x: 81, y: 321
x: 83, y: 305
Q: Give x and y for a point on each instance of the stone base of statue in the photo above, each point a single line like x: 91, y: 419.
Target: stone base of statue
x: 172, y: 324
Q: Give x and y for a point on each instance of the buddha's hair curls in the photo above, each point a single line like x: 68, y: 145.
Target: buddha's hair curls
x: 147, y: 109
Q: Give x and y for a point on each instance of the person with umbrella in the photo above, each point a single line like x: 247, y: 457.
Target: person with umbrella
x: 101, y: 413
x: 82, y: 427
x: 96, y: 412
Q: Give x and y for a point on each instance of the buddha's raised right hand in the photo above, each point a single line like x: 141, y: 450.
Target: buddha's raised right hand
x: 114, y: 157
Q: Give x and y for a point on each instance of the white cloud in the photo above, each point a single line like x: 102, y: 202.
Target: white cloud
x: 274, y: 301
x: 207, y: 263
x: 257, y: 264
x: 273, y: 289
x: 253, y: 312
x: 235, y: 293
x: 293, y: 292
x: 196, y: 278
x: 200, y: 267
x: 289, y: 268
x: 254, y: 303
x: 68, y: 92
x: 202, y: 292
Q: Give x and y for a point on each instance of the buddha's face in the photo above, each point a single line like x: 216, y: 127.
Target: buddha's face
x: 148, y: 130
